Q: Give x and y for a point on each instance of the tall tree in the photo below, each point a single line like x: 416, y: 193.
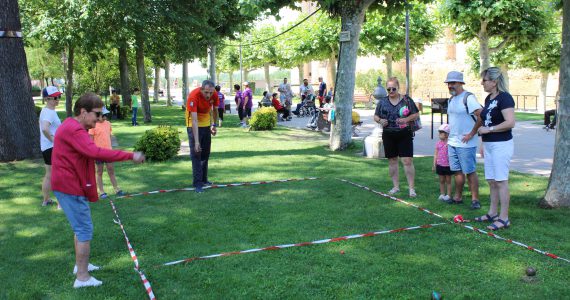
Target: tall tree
x: 19, y: 129
x: 558, y: 191
x: 508, y: 21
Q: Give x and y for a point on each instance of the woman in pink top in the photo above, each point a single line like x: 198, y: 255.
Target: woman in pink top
x: 102, y: 137
x: 73, y: 178
x: 441, y: 165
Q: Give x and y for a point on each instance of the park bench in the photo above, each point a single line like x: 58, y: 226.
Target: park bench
x: 362, y: 98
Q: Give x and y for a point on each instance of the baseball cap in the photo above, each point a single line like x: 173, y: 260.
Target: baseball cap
x: 105, y: 111
x: 444, y: 128
x: 50, y: 91
x: 454, y: 76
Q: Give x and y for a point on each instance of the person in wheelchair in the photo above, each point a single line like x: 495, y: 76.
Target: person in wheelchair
x: 321, y: 113
x: 306, y: 107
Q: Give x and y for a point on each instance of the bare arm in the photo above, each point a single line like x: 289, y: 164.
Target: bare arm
x: 475, y: 128
x: 508, y: 124
x: 197, y: 147
x: 45, y: 130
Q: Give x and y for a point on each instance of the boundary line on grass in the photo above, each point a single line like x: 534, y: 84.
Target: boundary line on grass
x: 214, y: 186
x: 553, y: 256
x: 323, y: 241
x: 145, y: 281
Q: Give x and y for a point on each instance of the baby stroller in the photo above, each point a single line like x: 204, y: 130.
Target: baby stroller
x: 308, y: 108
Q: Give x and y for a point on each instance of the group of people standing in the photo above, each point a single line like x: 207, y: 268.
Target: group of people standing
x: 456, y: 151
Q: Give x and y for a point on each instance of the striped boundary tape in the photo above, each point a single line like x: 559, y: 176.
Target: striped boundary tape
x: 216, y: 186
x: 323, y: 241
x: 145, y: 281
x: 465, y: 226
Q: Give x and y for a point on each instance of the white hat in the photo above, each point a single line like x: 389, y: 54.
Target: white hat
x: 246, y: 83
x: 51, y: 91
x: 105, y: 111
x: 444, y: 128
x: 454, y: 76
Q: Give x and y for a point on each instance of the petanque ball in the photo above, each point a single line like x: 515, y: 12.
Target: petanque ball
x: 341, y: 251
x: 530, y: 271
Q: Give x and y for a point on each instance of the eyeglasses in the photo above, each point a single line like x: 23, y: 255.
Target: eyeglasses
x: 391, y: 89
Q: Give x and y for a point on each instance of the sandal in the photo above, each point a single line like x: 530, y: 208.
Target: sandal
x: 494, y: 227
x: 47, y: 202
x: 393, y: 191
x: 103, y: 196
x: 487, y: 217
x: 413, y: 193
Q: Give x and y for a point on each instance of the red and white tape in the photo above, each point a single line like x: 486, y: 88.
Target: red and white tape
x: 145, y: 281
x: 214, y: 186
x: 324, y: 241
x: 459, y: 223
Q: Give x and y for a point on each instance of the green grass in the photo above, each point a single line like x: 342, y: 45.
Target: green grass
x: 36, y: 243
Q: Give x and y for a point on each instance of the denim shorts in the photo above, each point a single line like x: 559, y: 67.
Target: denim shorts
x: 462, y: 159
x: 78, y: 213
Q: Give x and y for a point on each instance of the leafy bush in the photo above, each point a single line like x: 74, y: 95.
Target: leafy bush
x: 125, y: 111
x: 264, y: 119
x: 159, y: 144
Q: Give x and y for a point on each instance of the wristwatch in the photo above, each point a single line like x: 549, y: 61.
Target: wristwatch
x: 492, y: 128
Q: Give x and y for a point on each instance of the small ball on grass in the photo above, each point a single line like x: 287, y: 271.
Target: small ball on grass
x: 341, y: 251
x: 530, y: 271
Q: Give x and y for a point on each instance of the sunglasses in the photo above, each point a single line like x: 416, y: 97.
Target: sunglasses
x: 391, y: 89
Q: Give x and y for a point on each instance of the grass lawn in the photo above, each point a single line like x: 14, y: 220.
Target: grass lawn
x: 36, y: 243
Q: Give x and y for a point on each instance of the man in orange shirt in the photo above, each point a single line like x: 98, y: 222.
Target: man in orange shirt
x: 201, y: 123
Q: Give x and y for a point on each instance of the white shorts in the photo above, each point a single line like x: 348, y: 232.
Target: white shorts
x: 498, y: 159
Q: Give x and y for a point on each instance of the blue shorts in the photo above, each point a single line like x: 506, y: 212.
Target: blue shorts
x: 78, y: 213
x: 462, y: 159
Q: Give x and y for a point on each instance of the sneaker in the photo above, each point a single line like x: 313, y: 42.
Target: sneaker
x: 48, y: 202
x: 441, y: 197
x: 103, y: 196
x: 91, y: 282
x: 208, y: 183
x: 90, y: 268
x: 199, y: 190
x: 120, y: 193
x: 475, y: 204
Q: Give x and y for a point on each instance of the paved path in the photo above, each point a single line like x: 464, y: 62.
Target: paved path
x: 534, y: 147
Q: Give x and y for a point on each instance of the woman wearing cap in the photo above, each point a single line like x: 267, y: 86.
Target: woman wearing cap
x: 397, y: 137
x: 498, y: 118
x: 441, y: 164
x: 49, y: 122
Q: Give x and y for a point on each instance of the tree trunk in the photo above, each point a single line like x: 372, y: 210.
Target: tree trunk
x: 483, y: 47
x: 156, y: 83
x: 184, y: 80
x: 389, y: 66
x: 267, y: 78
x: 341, y: 129
x: 212, y: 57
x: 307, y: 70
x: 139, y: 41
x: 541, y: 105
x: 69, y: 82
x: 245, y: 76
x: 231, y: 81
x: 300, y: 69
x: 558, y: 191
x: 124, y: 73
x: 332, y: 70
x: 167, y: 77
x: 19, y: 127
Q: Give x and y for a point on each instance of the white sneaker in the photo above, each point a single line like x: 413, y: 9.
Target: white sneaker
x: 441, y: 197
x: 90, y: 268
x: 91, y: 282
x: 446, y: 198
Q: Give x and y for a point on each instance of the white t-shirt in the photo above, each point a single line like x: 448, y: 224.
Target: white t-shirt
x: 461, y: 123
x: 50, y: 116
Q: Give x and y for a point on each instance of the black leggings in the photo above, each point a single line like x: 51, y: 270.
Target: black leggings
x: 221, y: 113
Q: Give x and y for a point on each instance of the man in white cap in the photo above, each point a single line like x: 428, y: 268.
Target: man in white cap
x: 464, y: 121
x: 49, y: 122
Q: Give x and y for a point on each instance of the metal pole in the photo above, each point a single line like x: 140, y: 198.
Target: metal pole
x: 240, y: 66
x: 407, y: 49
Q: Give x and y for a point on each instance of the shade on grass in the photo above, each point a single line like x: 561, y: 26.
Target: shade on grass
x: 36, y: 243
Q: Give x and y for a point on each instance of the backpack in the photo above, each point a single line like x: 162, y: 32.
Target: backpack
x: 467, y: 94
